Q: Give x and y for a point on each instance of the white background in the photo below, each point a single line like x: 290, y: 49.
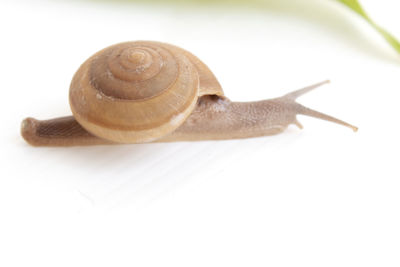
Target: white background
x: 321, y: 196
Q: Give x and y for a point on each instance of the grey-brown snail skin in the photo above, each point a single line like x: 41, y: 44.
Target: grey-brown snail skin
x: 138, y: 92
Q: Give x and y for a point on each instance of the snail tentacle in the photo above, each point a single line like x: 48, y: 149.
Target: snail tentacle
x: 302, y: 110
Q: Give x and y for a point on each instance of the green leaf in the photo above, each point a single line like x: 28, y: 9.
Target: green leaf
x: 356, y: 7
x: 352, y: 4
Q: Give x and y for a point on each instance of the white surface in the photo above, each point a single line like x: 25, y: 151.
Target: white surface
x: 322, y: 196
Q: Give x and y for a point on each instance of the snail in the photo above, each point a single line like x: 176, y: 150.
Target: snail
x: 146, y: 91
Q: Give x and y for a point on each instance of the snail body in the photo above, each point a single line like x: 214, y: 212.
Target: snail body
x: 137, y: 92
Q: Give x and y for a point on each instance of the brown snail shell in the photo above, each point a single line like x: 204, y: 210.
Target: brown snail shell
x: 136, y: 92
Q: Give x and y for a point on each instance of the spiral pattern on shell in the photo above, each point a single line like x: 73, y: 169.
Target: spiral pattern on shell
x: 139, y: 71
x: 135, y: 91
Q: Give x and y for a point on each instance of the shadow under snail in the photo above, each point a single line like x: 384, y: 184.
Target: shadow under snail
x: 143, y: 91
